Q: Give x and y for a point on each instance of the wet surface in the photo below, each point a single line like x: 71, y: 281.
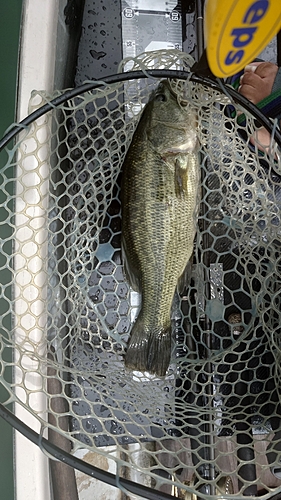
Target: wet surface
x: 100, y: 47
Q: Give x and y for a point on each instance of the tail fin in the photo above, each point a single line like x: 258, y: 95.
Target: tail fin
x: 149, y: 350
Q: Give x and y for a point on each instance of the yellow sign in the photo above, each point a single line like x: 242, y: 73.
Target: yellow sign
x: 236, y: 31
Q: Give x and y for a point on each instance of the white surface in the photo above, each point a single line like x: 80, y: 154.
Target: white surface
x: 39, y: 52
x: 91, y: 489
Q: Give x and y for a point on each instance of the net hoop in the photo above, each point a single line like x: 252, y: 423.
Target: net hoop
x: 55, y: 103
x: 135, y: 75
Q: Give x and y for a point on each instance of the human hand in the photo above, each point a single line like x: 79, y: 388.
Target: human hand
x: 257, y: 81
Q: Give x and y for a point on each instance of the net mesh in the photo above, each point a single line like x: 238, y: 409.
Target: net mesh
x: 67, y: 310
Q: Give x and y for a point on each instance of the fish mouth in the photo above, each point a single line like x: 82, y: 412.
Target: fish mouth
x: 179, y: 92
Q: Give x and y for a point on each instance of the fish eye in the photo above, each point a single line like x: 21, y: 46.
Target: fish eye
x: 160, y: 97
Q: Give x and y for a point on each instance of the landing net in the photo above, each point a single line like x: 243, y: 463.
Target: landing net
x: 67, y: 310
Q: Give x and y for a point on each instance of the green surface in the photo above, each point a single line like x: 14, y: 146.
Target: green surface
x: 9, y: 42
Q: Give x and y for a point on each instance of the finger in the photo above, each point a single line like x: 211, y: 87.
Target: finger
x: 254, y: 63
x: 248, y: 92
x: 257, y: 85
x: 255, y: 93
x: 250, y: 67
x: 261, y: 138
x: 266, y: 70
x: 250, y: 78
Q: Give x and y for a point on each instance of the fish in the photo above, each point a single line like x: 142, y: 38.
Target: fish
x: 159, y: 196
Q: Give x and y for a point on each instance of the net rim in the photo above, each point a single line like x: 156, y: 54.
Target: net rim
x: 76, y: 463
x: 86, y: 87
x: 135, y: 75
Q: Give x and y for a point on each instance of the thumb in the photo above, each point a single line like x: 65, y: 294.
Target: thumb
x: 250, y: 68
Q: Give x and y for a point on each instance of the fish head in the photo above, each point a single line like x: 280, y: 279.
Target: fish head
x: 170, y: 122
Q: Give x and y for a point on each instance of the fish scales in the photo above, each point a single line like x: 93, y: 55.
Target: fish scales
x: 159, y: 200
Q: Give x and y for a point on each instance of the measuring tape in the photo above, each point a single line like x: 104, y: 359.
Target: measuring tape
x: 236, y: 31
x: 150, y: 25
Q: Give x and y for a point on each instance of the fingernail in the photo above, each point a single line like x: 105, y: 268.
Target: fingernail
x: 250, y: 67
x: 238, y: 90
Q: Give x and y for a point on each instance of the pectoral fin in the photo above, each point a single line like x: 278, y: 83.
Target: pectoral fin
x: 181, y: 177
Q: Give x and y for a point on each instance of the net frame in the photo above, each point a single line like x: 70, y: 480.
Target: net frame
x: 182, y: 75
x: 136, y: 75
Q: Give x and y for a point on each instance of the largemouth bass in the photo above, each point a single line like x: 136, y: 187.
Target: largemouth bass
x: 159, y: 199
